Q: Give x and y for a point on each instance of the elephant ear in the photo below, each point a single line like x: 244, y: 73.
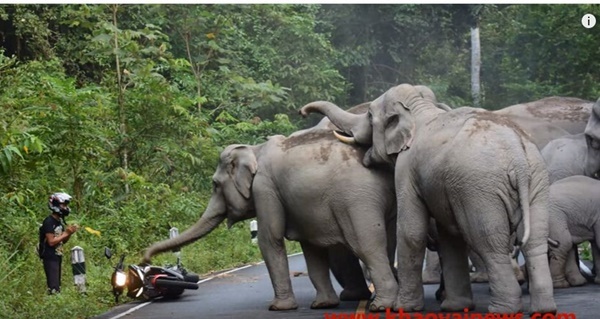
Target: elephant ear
x: 592, y: 128
x: 242, y: 169
x: 399, y: 130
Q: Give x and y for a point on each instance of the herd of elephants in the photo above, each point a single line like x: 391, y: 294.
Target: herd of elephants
x: 384, y: 181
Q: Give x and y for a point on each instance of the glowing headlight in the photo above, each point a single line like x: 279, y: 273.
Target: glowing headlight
x: 121, y: 278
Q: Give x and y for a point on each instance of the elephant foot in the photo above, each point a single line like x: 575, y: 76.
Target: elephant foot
x: 355, y: 294
x: 479, y: 276
x: 324, y: 305
x: 380, y: 304
x: 457, y: 304
x: 543, y: 304
x: 576, y: 280
x: 561, y: 283
x: 416, y: 306
x: 505, y: 308
x: 325, y: 301
x: 283, y: 304
x: 431, y: 277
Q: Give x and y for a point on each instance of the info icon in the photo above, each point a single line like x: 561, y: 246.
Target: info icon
x: 588, y: 21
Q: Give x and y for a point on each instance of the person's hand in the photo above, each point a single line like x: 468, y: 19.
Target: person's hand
x: 71, y: 229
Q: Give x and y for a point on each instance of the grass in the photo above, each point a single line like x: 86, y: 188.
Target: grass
x: 222, y: 249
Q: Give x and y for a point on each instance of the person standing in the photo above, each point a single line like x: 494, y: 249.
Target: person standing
x: 53, y: 234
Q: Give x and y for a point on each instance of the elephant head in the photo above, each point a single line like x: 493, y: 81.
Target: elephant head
x: 231, y: 198
x: 388, y: 127
x: 592, y: 138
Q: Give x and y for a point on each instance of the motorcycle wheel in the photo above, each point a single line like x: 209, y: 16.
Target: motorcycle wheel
x: 191, y: 277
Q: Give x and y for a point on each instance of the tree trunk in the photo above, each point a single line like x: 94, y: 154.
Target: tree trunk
x: 120, y: 101
x: 475, y: 66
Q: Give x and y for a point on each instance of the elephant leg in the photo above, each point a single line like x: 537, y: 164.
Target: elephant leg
x: 440, y: 293
x: 536, y: 257
x: 558, y: 256
x: 368, y: 246
x: 317, y: 264
x: 432, y: 270
x: 490, y: 238
x: 346, y: 268
x: 453, y: 251
x: 391, y: 243
x: 271, y: 228
x: 572, y: 273
x: 412, y: 239
x: 480, y: 274
x: 558, y: 266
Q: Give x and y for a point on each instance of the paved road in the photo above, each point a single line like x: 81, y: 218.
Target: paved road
x: 246, y: 293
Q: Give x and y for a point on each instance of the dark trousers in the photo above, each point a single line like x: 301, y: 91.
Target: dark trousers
x: 52, y: 268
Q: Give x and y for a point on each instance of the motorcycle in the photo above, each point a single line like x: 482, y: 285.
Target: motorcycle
x: 148, y: 281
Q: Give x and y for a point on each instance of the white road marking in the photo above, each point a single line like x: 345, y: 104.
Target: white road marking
x: 199, y: 282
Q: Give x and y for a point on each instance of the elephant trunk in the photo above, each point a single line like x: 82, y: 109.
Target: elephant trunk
x: 215, y: 213
x: 355, y: 125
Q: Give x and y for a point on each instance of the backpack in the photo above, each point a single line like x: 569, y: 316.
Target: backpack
x: 41, y: 247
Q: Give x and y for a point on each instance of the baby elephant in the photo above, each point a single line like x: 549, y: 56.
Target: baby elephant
x: 574, y: 218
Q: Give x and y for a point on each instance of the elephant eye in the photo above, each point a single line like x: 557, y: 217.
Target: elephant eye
x: 592, y: 142
x: 392, y: 120
x: 215, y: 185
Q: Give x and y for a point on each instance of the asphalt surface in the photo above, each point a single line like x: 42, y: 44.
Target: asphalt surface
x: 246, y: 293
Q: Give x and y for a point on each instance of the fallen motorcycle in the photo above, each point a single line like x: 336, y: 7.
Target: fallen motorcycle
x: 149, y: 282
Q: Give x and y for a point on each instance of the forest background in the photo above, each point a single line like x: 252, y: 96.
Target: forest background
x: 127, y: 107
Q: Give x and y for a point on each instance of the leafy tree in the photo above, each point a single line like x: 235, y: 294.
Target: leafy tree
x: 534, y: 51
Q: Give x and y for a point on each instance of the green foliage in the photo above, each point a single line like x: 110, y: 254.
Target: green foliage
x: 127, y: 108
x: 255, y: 131
x: 585, y: 251
x: 534, y: 51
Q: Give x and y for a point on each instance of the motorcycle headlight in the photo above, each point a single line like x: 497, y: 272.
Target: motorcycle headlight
x: 120, y: 278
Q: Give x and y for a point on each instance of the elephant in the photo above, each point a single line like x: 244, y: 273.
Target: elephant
x: 577, y: 154
x: 565, y: 157
x: 549, y: 123
x: 574, y: 218
x: 544, y: 120
x: 477, y: 174
x: 309, y: 188
x: 567, y: 113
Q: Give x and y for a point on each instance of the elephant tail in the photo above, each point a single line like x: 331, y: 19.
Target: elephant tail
x: 522, y: 183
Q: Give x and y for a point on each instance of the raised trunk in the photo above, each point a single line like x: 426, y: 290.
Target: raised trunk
x: 356, y: 125
x: 215, y: 213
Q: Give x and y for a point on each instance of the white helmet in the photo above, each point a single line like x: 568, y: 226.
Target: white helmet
x: 60, y: 198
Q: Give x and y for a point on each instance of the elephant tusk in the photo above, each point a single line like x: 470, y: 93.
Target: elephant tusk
x: 553, y: 243
x: 345, y: 139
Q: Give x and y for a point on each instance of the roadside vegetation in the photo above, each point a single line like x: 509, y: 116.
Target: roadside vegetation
x: 127, y: 107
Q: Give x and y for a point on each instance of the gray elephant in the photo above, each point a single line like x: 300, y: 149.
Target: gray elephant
x: 577, y: 154
x: 470, y: 170
x: 549, y: 123
x: 308, y: 188
x: 574, y: 218
x: 567, y: 113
